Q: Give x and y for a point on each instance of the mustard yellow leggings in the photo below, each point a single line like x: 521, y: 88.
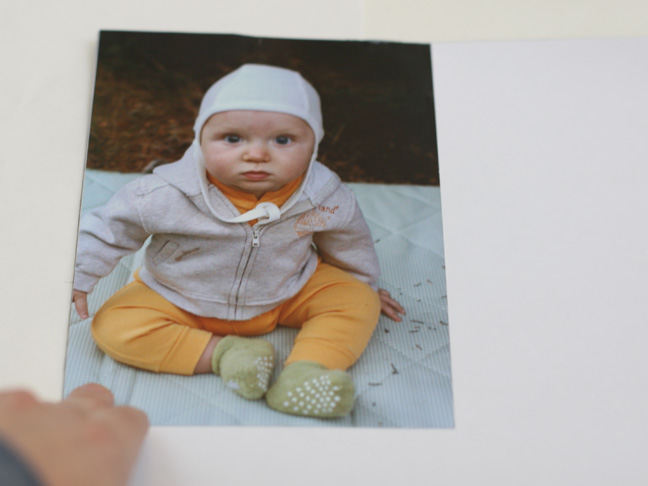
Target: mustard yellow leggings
x: 335, y: 312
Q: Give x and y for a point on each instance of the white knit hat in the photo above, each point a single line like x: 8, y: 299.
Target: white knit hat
x: 263, y: 88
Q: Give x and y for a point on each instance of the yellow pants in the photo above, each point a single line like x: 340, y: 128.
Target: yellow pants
x: 335, y: 312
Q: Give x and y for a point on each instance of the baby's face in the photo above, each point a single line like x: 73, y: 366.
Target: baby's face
x: 256, y: 151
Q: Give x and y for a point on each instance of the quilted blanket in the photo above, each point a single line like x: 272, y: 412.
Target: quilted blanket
x: 402, y: 380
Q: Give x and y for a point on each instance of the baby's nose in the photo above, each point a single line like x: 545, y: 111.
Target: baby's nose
x: 256, y: 153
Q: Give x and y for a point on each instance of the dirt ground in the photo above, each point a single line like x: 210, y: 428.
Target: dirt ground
x: 377, y: 100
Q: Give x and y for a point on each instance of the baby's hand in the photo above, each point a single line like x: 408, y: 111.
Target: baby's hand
x: 390, y: 307
x: 80, y: 300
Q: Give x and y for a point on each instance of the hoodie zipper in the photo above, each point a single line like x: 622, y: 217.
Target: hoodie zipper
x: 255, y: 244
x: 256, y: 241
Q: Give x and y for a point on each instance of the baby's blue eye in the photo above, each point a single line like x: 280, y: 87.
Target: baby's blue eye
x: 283, y: 140
x: 232, y: 138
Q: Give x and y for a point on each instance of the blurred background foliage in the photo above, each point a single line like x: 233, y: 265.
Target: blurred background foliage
x: 377, y: 100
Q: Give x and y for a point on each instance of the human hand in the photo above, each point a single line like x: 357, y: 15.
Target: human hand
x: 82, y: 440
x: 389, y: 306
x: 80, y: 300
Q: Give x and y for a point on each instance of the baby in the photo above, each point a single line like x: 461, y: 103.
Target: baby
x: 248, y: 231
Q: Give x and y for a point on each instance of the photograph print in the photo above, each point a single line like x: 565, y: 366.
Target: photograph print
x: 261, y: 237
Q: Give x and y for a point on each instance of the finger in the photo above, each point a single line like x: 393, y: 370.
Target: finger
x: 399, y: 308
x: 395, y: 304
x: 81, y: 306
x: 124, y: 427
x: 115, y: 435
x: 17, y: 400
x: 90, y: 397
x: 393, y: 316
x: 389, y: 302
x: 129, y: 423
x: 386, y: 297
x: 390, y: 312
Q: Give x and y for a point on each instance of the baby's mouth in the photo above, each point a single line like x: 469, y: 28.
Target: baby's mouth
x: 256, y: 175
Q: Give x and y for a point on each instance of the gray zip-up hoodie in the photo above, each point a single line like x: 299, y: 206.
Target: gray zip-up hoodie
x: 203, y: 255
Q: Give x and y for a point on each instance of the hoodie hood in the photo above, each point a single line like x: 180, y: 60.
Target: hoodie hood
x: 261, y: 88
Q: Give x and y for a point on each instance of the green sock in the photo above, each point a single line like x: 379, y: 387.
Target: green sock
x: 244, y: 364
x: 310, y: 389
